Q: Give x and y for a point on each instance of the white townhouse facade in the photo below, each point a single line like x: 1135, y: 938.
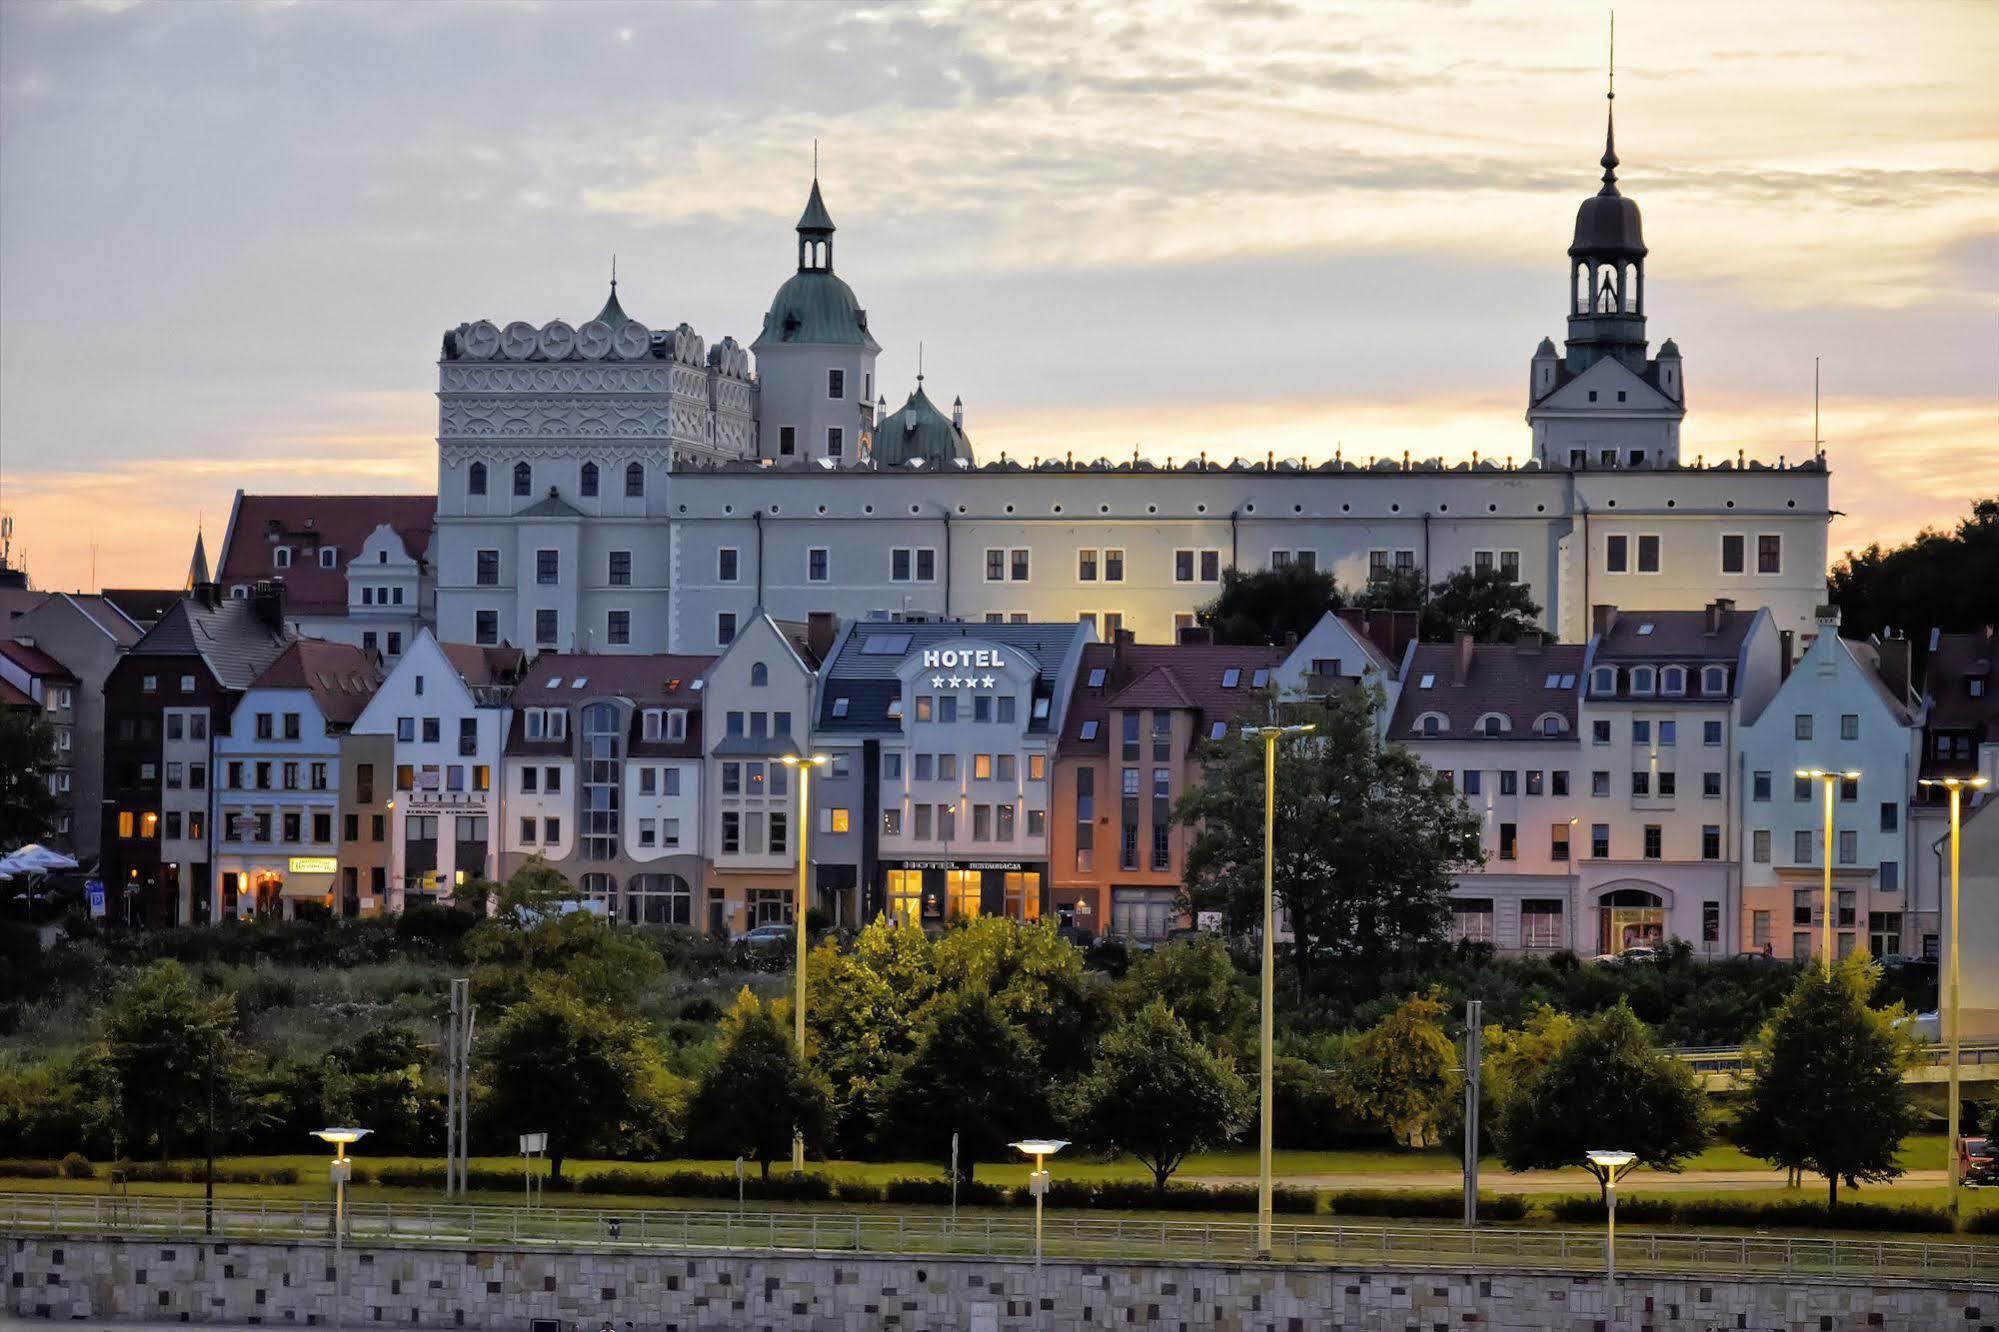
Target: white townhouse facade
x: 356, y: 569
x: 1845, y: 707
x: 1665, y: 694
x: 276, y: 781
x: 1498, y: 722
x: 443, y: 708
x: 606, y: 487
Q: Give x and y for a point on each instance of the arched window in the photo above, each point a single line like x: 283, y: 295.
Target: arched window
x: 1673, y: 680
x: 1630, y: 897
x: 1492, y: 723
x: 523, y: 479
x: 1550, y: 723
x: 1603, y: 680
x: 1642, y: 679
x: 635, y: 481
x: 475, y: 479
x: 1432, y: 723
x: 589, y: 482
x: 1714, y: 680
x: 759, y: 675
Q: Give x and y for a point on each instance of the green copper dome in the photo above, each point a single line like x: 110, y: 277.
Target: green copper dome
x: 815, y: 306
x: 919, y: 430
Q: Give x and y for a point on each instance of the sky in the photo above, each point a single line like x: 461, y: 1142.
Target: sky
x: 231, y: 236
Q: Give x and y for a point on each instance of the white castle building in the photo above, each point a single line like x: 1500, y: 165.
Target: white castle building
x: 606, y: 487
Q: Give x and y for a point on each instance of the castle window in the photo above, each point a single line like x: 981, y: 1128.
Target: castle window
x: 635, y: 481
x: 523, y: 479
x: 588, y: 486
x: 475, y: 479
x: 836, y: 384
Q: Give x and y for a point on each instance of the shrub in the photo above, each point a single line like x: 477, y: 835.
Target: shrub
x: 1982, y: 1223
x: 1800, y: 1215
x: 77, y: 1166
x: 972, y: 1193
x: 28, y: 1169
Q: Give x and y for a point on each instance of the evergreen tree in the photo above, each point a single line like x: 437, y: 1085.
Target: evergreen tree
x: 973, y: 1073
x: 1825, y: 1081
x: 1608, y: 1086
x: 1938, y: 580
x: 28, y: 806
x: 1157, y: 1094
x: 756, y: 1093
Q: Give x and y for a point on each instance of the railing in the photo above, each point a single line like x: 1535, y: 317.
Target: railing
x: 998, y: 1236
x: 1729, y: 1058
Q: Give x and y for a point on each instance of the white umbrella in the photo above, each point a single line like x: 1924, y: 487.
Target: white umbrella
x: 36, y: 857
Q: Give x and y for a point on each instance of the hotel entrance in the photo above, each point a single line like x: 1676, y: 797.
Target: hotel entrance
x: 1630, y: 918
x: 930, y: 893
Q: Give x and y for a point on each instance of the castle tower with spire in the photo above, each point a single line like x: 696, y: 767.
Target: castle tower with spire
x: 1604, y: 402
x: 815, y: 357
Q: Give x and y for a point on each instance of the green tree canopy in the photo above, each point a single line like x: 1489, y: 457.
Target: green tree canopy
x: 1033, y: 974
x: 579, y: 951
x: 973, y: 1073
x: 862, y: 1021
x: 28, y: 805
x: 1939, y: 580
x: 1825, y: 1081
x: 1396, y: 590
x: 166, y: 1048
x: 1401, y: 1074
x: 1198, y: 982
x: 1267, y: 605
x: 1368, y: 840
x: 1157, y: 1094
x: 1489, y: 604
x: 558, y: 1064
x: 1607, y: 1086
x: 756, y: 1092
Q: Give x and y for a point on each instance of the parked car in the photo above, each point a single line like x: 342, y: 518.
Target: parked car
x: 1640, y: 954
x: 765, y: 937
x: 1978, y: 1162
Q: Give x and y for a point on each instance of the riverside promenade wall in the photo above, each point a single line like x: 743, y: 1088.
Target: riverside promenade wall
x: 501, y: 1288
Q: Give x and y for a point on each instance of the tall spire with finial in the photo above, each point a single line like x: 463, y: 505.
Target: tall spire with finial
x: 1610, y: 116
x: 919, y: 364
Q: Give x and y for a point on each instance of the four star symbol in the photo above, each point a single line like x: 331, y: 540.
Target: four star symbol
x: 936, y: 682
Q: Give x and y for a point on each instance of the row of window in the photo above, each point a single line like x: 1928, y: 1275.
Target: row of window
x: 150, y: 684
x: 1507, y: 781
x: 945, y: 767
x: 244, y: 775
x: 1660, y: 733
x: 282, y: 557
x: 447, y: 777
x: 257, y: 826
x: 382, y: 596
x: 1805, y: 848
x: 589, y: 483
x: 1618, y: 550
x: 990, y: 823
x: 1647, y: 681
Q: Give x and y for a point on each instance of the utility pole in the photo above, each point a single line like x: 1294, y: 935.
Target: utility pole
x: 1474, y: 1058
x: 458, y: 1089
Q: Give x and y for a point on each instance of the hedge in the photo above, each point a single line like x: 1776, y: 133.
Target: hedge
x: 151, y: 1172
x: 1758, y: 1215
x: 1447, y: 1204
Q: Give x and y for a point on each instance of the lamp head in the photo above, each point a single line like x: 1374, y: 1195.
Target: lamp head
x: 1954, y: 783
x: 1811, y: 772
x: 1040, y: 1146
x: 801, y: 760
x: 1851, y: 774
x: 1611, y: 1161
x: 341, y: 1137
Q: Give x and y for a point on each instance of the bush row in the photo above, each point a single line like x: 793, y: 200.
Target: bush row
x: 1445, y: 1203
x: 1757, y: 1215
x: 74, y: 1166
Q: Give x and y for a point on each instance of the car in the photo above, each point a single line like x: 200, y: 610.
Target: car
x: 1758, y: 956
x: 765, y: 937
x: 1978, y: 1162
x: 1628, y: 955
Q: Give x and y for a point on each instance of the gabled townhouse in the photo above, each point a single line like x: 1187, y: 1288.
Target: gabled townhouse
x: 758, y: 697
x: 57, y: 696
x: 1348, y: 647
x: 1666, y: 693
x: 1498, y: 721
x: 443, y: 708
x: 166, y: 702
x: 86, y: 634
x: 1133, y: 741
x: 1844, y: 707
x: 1960, y: 739
x: 356, y: 568
x: 603, y: 780
x: 942, y: 736
x: 276, y: 789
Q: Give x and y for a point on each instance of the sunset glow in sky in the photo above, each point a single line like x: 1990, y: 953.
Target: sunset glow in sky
x: 231, y: 236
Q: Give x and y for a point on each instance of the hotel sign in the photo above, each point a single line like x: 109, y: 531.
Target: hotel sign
x: 974, y: 663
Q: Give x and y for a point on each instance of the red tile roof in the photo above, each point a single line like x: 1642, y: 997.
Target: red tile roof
x: 35, y: 661
x: 340, y: 677
x: 481, y: 667
x: 308, y: 522
x: 1184, y: 676
x: 10, y: 697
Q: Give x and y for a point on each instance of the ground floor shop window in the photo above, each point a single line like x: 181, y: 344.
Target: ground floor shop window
x: 602, y: 891
x: 1630, y: 918
x: 1884, y: 933
x: 1541, y: 923
x: 1471, y: 919
x: 770, y: 906
x: 659, y: 899
x: 1145, y: 914
x: 905, y: 897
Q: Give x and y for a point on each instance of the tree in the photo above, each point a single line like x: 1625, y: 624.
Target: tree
x: 1401, y: 1074
x: 28, y: 805
x: 1157, y: 1094
x: 973, y: 1073
x: 756, y: 1092
x: 863, y: 1021
x: 558, y: 1064
x: 1489, y: 604
x: 1607, y: 1086
x: 1939, y: 580
x: 530, y: 891
x: 169, y: 1053
x: 1269, y: 605
x: 1825, y: 1081
x: 1198, y: 982
x: 1395, y: 590
x: 579, y: 951
x: 1033, y: 974
x: 1368, y: 840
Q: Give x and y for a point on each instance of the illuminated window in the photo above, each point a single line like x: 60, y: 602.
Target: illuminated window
x: 963, y: 887
x: 905, y: 896
x: 838, y: 821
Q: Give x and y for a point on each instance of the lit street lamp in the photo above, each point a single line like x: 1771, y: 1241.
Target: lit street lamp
x: 1037, y: 1183
x: 1270, y: 735
x: 1956, y: 786
x: 803, y: 765
x: 1828, y: 780
x: 1609, y: 1167
x: 340, y: 1171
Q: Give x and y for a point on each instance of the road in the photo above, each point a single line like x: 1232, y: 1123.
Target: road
x: 1570, y: 1181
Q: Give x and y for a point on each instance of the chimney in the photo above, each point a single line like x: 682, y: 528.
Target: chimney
x: 1602, y: 619
x: 1532, y: 641
x: 1194, y: 633
x: 1785, y: 637
x: 209, y: 594
x: 1463, y: 659
x: 1718, y: 612
x: 267, y: 601
x: 1121, y: 640
x: 820, y: 629
x: 1893, y: 654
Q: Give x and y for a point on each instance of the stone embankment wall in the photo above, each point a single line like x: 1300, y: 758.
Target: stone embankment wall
x: 427, y: 1286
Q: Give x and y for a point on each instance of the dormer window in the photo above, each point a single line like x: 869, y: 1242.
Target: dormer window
x: 1643, y: 679
x: 895, y: 709
x: 1603, y: 680
x: 1673, y: 680
x: 282, y: 557
x: 531, y: 723
x: 329, y: 557
x: 1493, y: 724
x: 649, y: 724
x: 1041, y: 709
x: 676, y: 724
x: 1714, y: 680
x: 558, y: 723
x: 1551, y: 724
x: 1431, y: 723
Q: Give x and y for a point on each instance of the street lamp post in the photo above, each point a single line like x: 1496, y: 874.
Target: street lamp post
x: 1956, y: 786
x: 1270, y: 735
x: 803, y: 766
x: 1828, y: 780
x: 1609, y: 1167
x: 341, y: 1171
x: 1037, y: 1183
